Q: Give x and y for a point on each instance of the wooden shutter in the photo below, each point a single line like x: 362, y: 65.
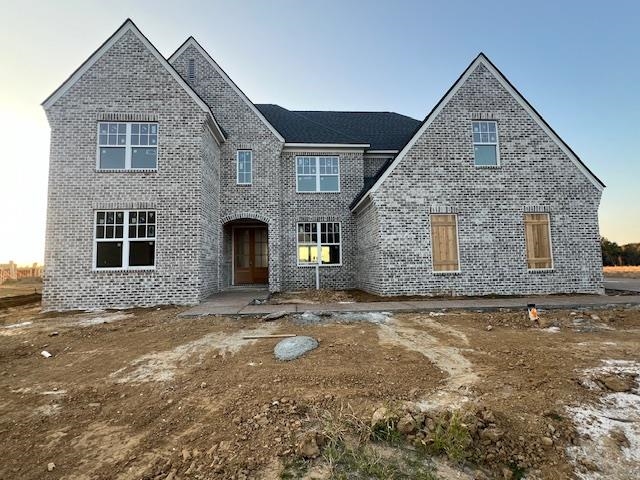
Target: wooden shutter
x: 444, y: 243
x: 536, y: 229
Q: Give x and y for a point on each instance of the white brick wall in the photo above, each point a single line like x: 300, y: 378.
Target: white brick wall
x: 386, y: 245
x: 439, y: 173
x: 126, y: 80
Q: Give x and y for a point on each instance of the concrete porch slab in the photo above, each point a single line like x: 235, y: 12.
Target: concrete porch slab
x: 227, y: 302
x: 239, y: 303
x: 265, y: 309
x: 623, y: 284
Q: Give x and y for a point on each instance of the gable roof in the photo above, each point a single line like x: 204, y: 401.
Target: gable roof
x: 481, y: 59
x: 193, y: 42
x: 381, y: 130
x: 129, y: 26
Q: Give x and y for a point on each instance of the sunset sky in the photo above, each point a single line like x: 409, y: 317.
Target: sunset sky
x: 577, y: 62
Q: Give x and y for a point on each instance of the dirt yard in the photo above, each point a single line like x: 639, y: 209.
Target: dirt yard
x: 626, y: 272
x: 24, y: 286
x: 144, y: 394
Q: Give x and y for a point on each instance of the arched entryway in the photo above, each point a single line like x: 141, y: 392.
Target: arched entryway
x: 246, y: 252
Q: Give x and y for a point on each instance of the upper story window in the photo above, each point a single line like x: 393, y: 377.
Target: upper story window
x: 127, y: 146
x: 318, y: 174
x: 485, y: 143
x: 244, y: 167
x: 125, y: 239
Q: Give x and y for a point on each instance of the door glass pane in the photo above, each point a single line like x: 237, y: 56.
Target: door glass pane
x: 261, y: 249
x: 242, y: 249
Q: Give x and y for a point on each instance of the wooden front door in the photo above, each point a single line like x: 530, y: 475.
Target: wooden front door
x: 250, y: 255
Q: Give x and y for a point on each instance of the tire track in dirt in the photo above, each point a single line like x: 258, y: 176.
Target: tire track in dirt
x: 162, y: 366
x: 422, y: 335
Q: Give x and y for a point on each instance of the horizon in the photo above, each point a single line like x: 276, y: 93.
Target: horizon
x: 595, y: 113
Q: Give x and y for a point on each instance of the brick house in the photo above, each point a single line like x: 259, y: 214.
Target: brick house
x: 167, y: 184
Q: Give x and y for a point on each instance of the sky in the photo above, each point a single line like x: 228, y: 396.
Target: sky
x: 577, y: 62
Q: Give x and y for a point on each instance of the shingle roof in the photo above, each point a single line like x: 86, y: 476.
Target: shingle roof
x: 382, y: 130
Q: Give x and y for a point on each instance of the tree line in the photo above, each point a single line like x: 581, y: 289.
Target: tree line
x: 619, y: 255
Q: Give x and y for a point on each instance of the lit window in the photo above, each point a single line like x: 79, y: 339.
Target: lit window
x: 322, y: 237
x: 485, y: 143
x: 537, y: 234
x: 444, y: 243
x: 317, y: 174
x: 244, y: 167
x: 127, y: 146
x: 125, y: 239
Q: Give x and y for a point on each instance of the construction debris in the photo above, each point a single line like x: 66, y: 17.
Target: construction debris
x: 254, y: 337
x: 274, y: 316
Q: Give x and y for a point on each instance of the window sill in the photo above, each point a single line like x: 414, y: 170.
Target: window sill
x: 490, y: 167
x: 318, y: 192
x: 126, y: 170
x: 541, y: 270
x: 303, y: 265
x: 447, y: 272
x: 126, y: 270
x: 244, y: 184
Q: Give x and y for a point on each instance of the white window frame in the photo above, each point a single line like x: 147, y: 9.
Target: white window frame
x: 125, y: 241
x: 319, y: 245
x: 446, y: 272
x: 238, y: 182
x: 318, y: 175
x: 526, y: 258
x: 496, y: 144
x: 127, y: 148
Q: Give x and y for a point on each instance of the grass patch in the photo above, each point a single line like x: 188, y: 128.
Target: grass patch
x: 365, y: 462
x: 452, y: 438
x: 350, y: 455
x: 294, y: 468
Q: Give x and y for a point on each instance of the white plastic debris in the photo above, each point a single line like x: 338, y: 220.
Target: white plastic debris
x: 45, y: 354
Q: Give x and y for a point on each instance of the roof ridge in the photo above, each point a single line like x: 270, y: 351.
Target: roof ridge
x: 338, y: 111
x: 348, y: 111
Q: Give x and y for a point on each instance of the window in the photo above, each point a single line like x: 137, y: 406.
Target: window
x: 244, y: 167
x: 485, y: 143
x: 323, y: 237
x: 317, y: 174
x: 127, y: 146
x: 125, y: 239
x: 537, y: 232
x: 444, y: 243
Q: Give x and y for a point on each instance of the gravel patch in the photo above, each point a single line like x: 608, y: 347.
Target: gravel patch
x: 294, y: 347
